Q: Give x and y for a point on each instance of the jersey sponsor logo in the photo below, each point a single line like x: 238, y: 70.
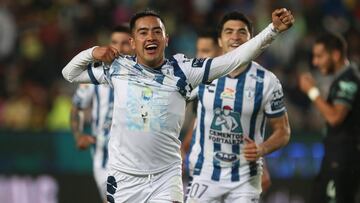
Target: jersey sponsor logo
x: 249, y: 93
x: 226, y: 157
x: 210, y: 88
x: 143, y: 112
x: 277, y: 102
x: 257, y: 78
x: 198, y: 62
x: 168, y: 71
x: 226, y: 127
x: 347, y: 89
x: 228, y: 93
x: 146, y: 95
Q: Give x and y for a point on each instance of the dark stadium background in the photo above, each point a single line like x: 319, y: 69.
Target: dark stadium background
x: 38, y: 159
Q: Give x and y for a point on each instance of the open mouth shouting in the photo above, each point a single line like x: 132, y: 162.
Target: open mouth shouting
x: 151, y: 48
x: 235, y: 45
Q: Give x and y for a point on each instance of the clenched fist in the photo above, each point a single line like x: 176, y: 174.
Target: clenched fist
x: 282, y: 19
x: 105, y: 54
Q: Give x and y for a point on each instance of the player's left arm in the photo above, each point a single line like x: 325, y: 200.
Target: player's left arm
x: 334, y: 113
x: 275, y: 111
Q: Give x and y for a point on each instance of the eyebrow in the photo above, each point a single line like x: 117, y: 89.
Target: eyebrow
x: 146, y: 29
x: 231, y: 29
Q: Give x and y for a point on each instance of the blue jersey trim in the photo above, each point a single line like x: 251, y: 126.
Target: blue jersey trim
x: 108, y: 121
x: 257, y: 103
x: 181, y: 83
x: 97, y: 96
x: 91, y: 75
x: 200, y: 159
x: 235, y: 176
x: 262, y: 127
x: 160, y: 78
x: 220, y: 86
x: 207, y: 71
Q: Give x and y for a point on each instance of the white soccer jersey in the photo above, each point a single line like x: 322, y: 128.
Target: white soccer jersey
x: 228, y: 109
x: 149, y: 103
x: 101, y: 99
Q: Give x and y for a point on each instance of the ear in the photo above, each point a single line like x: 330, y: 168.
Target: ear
x: 132, y: 43
x: 220, y: 43
x: 336, y: 55
x: 166, y: 40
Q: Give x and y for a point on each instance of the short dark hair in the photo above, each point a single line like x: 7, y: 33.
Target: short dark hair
x: 121, y: 28
x: 235, y: 15
x: 208, y: 33
x: 146, y: 12
x: 333, y: 42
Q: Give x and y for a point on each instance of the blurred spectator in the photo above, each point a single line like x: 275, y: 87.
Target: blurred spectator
x: 7, y: 33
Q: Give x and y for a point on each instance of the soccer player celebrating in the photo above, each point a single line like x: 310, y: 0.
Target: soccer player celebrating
x: 229, y: 140
x: 150, y: 93
x: 338, y: 179
x: 101, y: 99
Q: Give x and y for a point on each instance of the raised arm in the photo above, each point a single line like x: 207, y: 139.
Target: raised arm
x: 77, y: 69
x: 282, y: 20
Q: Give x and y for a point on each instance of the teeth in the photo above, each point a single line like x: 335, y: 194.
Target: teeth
x: 151, y: 46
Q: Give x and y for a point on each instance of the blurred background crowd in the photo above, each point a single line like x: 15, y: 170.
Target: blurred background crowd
x: 39, y: 37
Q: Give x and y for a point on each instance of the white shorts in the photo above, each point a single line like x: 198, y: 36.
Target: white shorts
x: 164, y: 187
x: 203, y: 189
x: 100, y: 176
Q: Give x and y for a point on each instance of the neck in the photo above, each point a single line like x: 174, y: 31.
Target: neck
x: 151, y: 64
x: 342, y: 64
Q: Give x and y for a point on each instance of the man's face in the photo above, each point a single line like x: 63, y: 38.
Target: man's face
x: 121, y: 41
x: 233, y: 34
x: 206, y: 47
x: 149, y: 41
x: 322, y: 59
x: 226, y: 112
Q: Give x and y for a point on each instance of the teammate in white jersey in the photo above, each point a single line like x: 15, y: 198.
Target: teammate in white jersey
x: 207, y: 47
x: 100, y: 98
x: 150, y: 93
x: 228, y: 143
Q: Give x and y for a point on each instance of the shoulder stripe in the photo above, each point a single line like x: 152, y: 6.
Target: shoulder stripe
x: 207, y: 71
x: 235, y: 176
x: 257, y: 104
x: 200, y: 159
x: 258, y: 100
x: 220, y: 86
x: 97, y: 96
x: 91, y: 75
x: 181, y: 83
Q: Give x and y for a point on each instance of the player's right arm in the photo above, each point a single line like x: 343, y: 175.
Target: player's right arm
x: 81, y: 100
x: 77, y: 69
x: 211, y: 69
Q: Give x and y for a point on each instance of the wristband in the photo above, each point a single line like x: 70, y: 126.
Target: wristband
x: 313, y: 93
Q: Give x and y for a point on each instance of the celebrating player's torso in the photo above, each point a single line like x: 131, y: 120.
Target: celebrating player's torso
x: 228, y: 110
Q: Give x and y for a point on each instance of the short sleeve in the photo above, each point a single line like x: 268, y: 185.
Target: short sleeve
x: 345, y: 92
x: 196, y: 70
x: 274, y: 98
